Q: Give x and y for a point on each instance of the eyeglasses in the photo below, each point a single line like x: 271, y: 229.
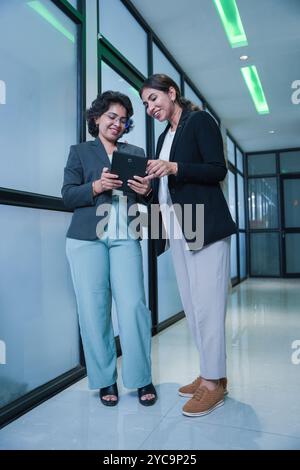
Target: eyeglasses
x: 115, y: 118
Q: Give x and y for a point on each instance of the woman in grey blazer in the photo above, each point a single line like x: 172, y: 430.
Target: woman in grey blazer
x: 188, y: 169
x: 105, y: 257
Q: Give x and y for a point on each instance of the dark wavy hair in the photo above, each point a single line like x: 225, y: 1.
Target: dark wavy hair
x: 162, y: 82
x: 102, y: 103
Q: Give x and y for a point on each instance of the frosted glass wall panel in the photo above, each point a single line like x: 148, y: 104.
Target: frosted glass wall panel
x: 263, y: 203
x: 292, y: 243
x: 230, y: 150
x: 38, y: 71
x: 38, y: 320
x: 290, y: 162
x: 111, y: 80
x: 264, y: 249
x: 191, y: 95
x: 161, y: 64
x: 262, y: 164
x: 169, y: 302
x: 291, y: 189
x: 124, y: 33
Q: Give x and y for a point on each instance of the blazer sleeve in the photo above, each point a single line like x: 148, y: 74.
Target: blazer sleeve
x: 75, y: 192
x: 212, y: 169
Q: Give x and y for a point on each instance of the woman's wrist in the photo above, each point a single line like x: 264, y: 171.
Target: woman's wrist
x: 95, y: 192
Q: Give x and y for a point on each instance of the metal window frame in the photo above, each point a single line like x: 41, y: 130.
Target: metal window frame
x: 281, y: 230
x: 235, y: 170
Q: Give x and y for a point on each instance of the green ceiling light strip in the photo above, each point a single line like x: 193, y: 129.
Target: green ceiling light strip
x: 253, y: 83
x: 45, y: 13
x: 232, y: 22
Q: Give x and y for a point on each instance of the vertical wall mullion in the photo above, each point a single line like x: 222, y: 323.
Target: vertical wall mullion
x: 152, y: 258
x: 280, y: 212
x: 238, y: 220
x: 82, y: 74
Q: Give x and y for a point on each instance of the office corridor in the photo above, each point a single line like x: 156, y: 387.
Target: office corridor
x: 260, y: 412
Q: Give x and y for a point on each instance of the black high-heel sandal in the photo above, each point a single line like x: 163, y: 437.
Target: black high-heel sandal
x: 111, y: 390
x: 147, y: 390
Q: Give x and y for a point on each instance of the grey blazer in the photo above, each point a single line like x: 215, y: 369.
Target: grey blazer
x: 85, y: 164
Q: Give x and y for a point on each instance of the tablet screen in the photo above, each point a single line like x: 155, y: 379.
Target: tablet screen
x: 126, y: 166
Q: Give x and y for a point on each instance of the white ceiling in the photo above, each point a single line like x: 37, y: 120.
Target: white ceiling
x: 192, y: 32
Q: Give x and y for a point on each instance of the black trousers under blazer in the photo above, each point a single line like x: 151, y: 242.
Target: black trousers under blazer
x: 198, y: 149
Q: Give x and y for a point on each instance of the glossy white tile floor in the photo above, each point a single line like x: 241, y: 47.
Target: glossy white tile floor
x: 262, y: 410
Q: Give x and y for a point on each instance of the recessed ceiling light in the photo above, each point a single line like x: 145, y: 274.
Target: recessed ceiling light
x: 271, y: 132
x: 244, y: 57
x: 232, y: 23
x: 256, y: 91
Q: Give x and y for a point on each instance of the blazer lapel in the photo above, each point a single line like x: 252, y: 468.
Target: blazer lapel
x: 183, y: 118
x: 101, y: 152
x: 184, y: 115
x: 161, y: 141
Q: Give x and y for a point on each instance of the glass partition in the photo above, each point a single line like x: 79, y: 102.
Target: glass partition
x: 191, y: 95
x: 38, y: 320
x: 262, y: 164
x: 230, y: 150
x: 111, y: 80
x: 38, y: 121
x: 263, y: 203
x: 161, y: 64
x: 169, y: 302
x: 118, y: 25
x: 268, y: 261
x: 290, y: 162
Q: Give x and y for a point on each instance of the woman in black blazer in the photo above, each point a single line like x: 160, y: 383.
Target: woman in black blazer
x: 187, y: 172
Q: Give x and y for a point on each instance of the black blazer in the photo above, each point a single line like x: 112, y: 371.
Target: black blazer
x: 85, y: 164
x: 198, y: 149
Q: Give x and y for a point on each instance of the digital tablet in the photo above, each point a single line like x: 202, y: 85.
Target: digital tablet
x: 126, y: 166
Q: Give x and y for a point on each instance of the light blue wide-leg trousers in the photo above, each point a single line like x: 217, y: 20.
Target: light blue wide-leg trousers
x: 103, y: 269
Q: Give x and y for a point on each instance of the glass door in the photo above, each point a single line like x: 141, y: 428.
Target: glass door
x: 290, y: 186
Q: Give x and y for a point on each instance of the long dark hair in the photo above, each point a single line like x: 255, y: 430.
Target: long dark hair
x: 162, y: 82
x: 102, y: 103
